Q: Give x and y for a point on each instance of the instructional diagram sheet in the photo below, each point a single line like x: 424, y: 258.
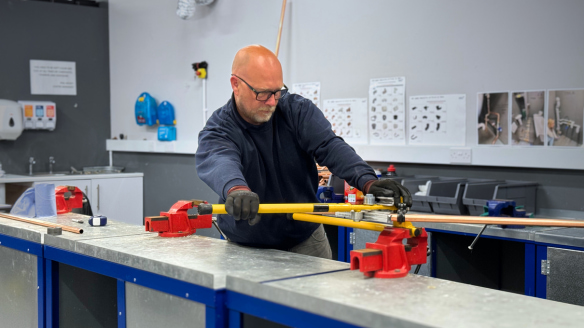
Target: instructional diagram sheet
x: 387, y: 111
x: 437, y: 120
x: 348, y: 118
x: 310, y: 90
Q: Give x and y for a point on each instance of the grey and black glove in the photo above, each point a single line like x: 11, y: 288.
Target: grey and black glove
x: 243, y: 205
x: 390, y: 188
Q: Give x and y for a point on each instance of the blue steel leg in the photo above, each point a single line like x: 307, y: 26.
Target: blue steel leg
x: 530, y: 269
x: 121, y: 304
x: 41, y: 291
x: 342, y: 240
x: 235, y: 319
x: 216, y: 316
x: 433, y: 255
x: 540, y: 279
x: 51, y: 294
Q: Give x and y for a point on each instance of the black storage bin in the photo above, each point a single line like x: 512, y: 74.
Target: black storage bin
x: 445, y: 197
x: 420, y: 203
x: 476, y: 195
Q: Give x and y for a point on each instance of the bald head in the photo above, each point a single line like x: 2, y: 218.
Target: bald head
x: 255, y: 69
x: 256, y: 61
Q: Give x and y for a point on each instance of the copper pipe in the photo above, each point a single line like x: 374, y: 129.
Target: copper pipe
x: 496, y: 127
x: 493, y: 220
x: 280, y: 28
x: 492, y: 113
x: 42, y: 223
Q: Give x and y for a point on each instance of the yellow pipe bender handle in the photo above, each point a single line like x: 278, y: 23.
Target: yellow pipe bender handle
x: 297, y: 208
x: 338, y: 222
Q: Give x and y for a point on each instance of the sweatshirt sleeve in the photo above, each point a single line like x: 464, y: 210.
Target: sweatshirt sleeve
x: 317, y: 138
x: 218, y: 160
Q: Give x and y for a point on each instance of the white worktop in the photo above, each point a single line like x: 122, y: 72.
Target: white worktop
x: 13, y: 178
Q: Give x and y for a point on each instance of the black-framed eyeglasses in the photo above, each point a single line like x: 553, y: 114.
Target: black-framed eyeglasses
x: 265, y: 95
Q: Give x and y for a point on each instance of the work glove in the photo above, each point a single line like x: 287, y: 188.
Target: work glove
x: 390, y: 188
x: 243, y: 205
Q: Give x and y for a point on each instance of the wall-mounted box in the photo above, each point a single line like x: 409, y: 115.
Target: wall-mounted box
x: 39, y: 115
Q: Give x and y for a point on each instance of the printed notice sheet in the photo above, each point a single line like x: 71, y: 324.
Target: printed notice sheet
x: 387, y: 111
x: 437, y: 120
x: 49, y: 77
x: 348, y: 118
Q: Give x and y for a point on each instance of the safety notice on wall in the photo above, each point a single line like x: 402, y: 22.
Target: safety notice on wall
x: 48, y: 77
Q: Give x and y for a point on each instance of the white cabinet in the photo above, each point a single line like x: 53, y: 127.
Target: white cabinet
x: 118, y: 196
x: 119, y: 199
x: 83, y: 185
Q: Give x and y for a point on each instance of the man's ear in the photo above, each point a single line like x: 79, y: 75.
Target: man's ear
x: 234, y: 85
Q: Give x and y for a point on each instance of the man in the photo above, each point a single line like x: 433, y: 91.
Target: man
x: 261, y: 147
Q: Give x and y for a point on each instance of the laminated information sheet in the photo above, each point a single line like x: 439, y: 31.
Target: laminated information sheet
x: 437, y: 120
x: 387, y: 111
x: 309, y: 90
x: 49, y: 77
x: 348, y: 118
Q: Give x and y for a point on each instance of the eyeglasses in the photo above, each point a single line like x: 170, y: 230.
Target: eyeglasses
x: 265, y: 95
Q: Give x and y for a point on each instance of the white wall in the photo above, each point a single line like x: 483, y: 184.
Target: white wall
x: 152, y: 50
x: 442, y: 47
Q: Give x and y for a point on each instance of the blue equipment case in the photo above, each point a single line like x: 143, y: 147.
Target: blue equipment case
x: 167, y: 133
x: 145, y: 109
x: 166, y: 114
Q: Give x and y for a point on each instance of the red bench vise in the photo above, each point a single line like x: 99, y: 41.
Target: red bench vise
x: 388, y: 257
x: 177, y: 222
x: 68, y: 198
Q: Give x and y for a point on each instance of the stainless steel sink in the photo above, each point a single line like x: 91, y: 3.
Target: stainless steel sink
x: 86, y: 171
x: 47, y: 174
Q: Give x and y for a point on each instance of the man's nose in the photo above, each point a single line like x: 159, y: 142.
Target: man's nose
x: 271, y: 101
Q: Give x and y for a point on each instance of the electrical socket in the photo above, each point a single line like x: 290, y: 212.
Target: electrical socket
x: 460, y: 155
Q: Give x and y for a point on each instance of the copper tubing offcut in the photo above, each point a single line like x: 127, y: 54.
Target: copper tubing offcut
x: 42, y: 223
x: 280, y: 28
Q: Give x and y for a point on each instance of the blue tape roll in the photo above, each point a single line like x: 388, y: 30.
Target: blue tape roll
x: 98, y: 220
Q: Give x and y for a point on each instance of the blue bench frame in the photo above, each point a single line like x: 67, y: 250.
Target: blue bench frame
x: 214, y: 300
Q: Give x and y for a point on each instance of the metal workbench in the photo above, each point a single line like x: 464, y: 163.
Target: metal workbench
x: 171, y: 281
x: 347, y: 298
x: 23, y: 283
x: 536, y: 240
x: 201, y: 281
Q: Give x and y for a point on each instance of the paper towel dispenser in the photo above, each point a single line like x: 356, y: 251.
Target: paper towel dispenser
x: 11, y: 125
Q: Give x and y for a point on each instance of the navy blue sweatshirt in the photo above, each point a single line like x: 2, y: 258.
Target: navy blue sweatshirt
x: 276, y: 160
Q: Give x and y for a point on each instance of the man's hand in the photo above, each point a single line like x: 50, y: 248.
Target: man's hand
x: 243, y: 205
x: 390, y: 188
